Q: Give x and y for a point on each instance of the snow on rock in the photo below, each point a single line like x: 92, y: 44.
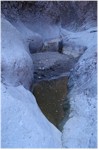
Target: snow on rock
x: 23, y: 124
x: 17, y: 66
x: 80, y: 130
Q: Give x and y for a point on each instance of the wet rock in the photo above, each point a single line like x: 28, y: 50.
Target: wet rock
x: 50, y: 64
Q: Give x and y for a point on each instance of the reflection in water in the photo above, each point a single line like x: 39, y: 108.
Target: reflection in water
x: 50, y: 95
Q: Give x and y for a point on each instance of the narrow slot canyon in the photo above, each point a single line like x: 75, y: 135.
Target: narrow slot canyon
x: 49, y: 74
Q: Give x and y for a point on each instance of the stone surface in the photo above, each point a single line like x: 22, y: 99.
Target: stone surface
x: 73, y: 50
x: 23, y: 124
x: 51, y: 45
x: 71, y: 14
x: 49, y: 65
x: 17, y: 66
x: 36, y: 44
x: 30, y: 38
x: 80, y: 130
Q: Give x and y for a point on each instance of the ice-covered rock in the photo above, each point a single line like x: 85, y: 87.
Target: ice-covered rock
x: 17, y: 66
x: 23, y: 124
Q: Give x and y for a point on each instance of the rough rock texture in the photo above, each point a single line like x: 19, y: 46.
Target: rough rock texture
x: 51, y: 45
x: 36, y: 44
x: 23, y: 124
x: 69, y: 14
x: 80, y: 130
x: 73, y: 50
x: 50, y: 65
x: 17, y: 66
x: 33, y: 41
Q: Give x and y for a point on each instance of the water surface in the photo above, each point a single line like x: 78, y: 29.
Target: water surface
x: 50, y: 95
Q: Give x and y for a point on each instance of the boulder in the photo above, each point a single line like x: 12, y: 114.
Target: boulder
x: 23, y: 124
x: 80, y: 127
x: 16, y: 64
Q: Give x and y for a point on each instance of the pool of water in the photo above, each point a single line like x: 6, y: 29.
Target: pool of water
x: 50, y: 96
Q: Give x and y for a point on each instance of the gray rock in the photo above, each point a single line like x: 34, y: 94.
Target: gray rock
x: 74, y: 50
x: 36, y: 44
x: 52, y: 45
x: 70, y: 14
x: 80, y: 130
x: 60, y: 44
x: 17, y: 66
x: 23, y: 123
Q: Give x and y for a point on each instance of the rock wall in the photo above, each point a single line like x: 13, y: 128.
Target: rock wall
x: 17, y: 66
x: 23, y: 124
x: 80, y: 130
x: 71, y: 14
